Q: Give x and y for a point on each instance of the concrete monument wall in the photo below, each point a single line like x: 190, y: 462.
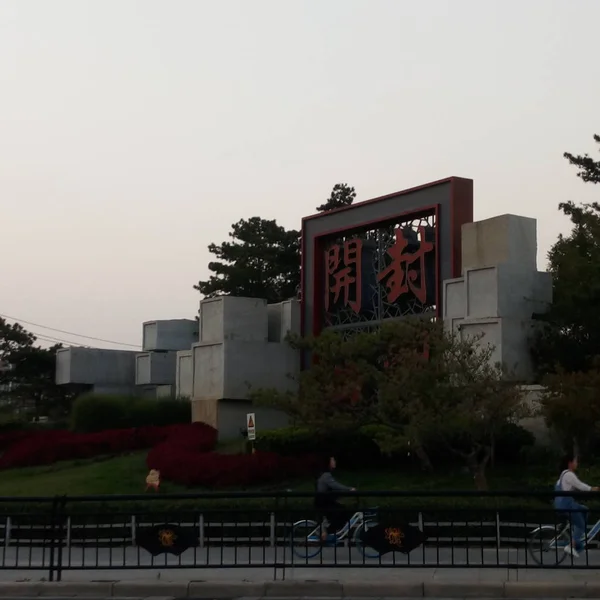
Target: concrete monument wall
x: 184, y: 379
x: 500, y: 290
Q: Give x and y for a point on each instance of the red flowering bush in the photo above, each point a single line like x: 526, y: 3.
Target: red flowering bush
x: 48, y: 447
x: 182, y: 453
x: 11, y: 437
x: 181, y: 463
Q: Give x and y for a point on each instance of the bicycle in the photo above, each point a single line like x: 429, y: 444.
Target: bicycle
x: 308, y: 534
x: 556, y: 542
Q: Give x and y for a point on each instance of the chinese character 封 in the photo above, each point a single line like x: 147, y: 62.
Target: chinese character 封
x: 399, y: 275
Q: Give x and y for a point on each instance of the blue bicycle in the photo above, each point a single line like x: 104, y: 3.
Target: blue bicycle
x: 307, y: 539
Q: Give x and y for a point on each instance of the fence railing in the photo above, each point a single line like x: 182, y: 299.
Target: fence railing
x: 281, y: 530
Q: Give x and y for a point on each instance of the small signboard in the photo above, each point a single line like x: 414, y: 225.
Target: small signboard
x: 251, y: 426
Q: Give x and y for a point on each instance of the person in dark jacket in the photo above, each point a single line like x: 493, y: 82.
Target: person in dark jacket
x: 326, y: 500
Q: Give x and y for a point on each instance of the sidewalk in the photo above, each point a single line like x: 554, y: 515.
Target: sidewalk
x: 321, y: 583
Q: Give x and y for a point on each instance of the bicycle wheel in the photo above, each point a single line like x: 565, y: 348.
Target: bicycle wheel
x: 366, y: 551
x: 306, y: 539
x: 546, y: 545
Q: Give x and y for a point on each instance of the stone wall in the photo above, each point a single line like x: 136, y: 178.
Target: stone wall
x: 499, y: 291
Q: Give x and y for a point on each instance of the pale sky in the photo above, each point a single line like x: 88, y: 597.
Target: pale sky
x: 134, y: 133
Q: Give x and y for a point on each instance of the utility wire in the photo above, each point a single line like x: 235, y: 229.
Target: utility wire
x: 88, y: 337
x: 54, y: 340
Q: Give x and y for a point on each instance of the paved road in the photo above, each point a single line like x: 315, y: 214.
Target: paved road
x: 333, y: 583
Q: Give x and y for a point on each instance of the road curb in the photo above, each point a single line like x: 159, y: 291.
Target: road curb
x: 300, y: 589
x: 400, y: 589
x: 464, y: 589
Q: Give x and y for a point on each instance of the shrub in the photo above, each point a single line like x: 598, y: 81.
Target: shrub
x: 48, y: 447
x: 510, y: 441
x: 184, y: 465
x: 359, y: 449
x: 96, y: 412
x: 10, y: 425
x: 351, y: 448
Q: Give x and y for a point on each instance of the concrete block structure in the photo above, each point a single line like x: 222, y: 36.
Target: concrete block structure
x: 500, y: 290
x: 104, y: 371
x: 184, y: 378
x: 229, y: 318
x: 174, y: 334
x: 231, y: 369
x: 155, y: 368
x: 242, y: 347
x: 165, y: 391
x: 506, y: 239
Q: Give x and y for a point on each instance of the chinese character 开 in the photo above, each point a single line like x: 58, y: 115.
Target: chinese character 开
x: 343, y: 266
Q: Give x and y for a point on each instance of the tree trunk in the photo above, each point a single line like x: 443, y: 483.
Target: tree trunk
x: 477, y: 465
x: 480, y: 478
x: 424, y: 458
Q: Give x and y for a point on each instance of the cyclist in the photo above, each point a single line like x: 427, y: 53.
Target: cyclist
x: 335, y: 515
x: 577, y: 513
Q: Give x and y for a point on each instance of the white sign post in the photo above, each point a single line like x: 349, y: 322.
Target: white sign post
x: 251, y: 426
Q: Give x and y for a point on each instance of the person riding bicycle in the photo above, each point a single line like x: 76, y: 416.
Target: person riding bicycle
x: 577, y: 513
x: 335, y: 515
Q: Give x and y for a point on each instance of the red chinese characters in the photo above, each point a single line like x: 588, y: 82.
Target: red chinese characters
x: 343, y: 274
x: 400, y: 277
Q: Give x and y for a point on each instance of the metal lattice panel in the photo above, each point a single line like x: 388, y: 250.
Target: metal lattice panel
x: 393, y: 283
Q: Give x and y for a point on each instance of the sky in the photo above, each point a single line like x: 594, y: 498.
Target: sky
x: 134, y: 133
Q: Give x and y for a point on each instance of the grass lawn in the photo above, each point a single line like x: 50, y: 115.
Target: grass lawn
x: 127, y: 474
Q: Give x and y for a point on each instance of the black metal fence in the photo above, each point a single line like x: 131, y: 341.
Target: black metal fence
x: 281, y: 530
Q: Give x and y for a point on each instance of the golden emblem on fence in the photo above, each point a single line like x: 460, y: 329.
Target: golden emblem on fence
x: 394, y: 536
x: 167, y: 537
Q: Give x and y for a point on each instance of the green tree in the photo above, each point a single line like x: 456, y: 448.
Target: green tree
x: 571, y: 407
x: 569, y: 333
x: 33, y: 377
x: 411, y: 382
x: 341, y: 195
x: 589, y: 169
x: 28, y: 373
x: 262, y: 260
x: 13, y: 337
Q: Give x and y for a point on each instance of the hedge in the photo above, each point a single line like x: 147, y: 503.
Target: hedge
x: 357, y: 448
x: 96, y: 412
x: 351, y: 448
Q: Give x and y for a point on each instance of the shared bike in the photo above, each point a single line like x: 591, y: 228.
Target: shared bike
x: 546, y: 544
x: 307, y: 539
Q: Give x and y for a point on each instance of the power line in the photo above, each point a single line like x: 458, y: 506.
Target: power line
x: 88, y: 337
x: 55, y: 340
